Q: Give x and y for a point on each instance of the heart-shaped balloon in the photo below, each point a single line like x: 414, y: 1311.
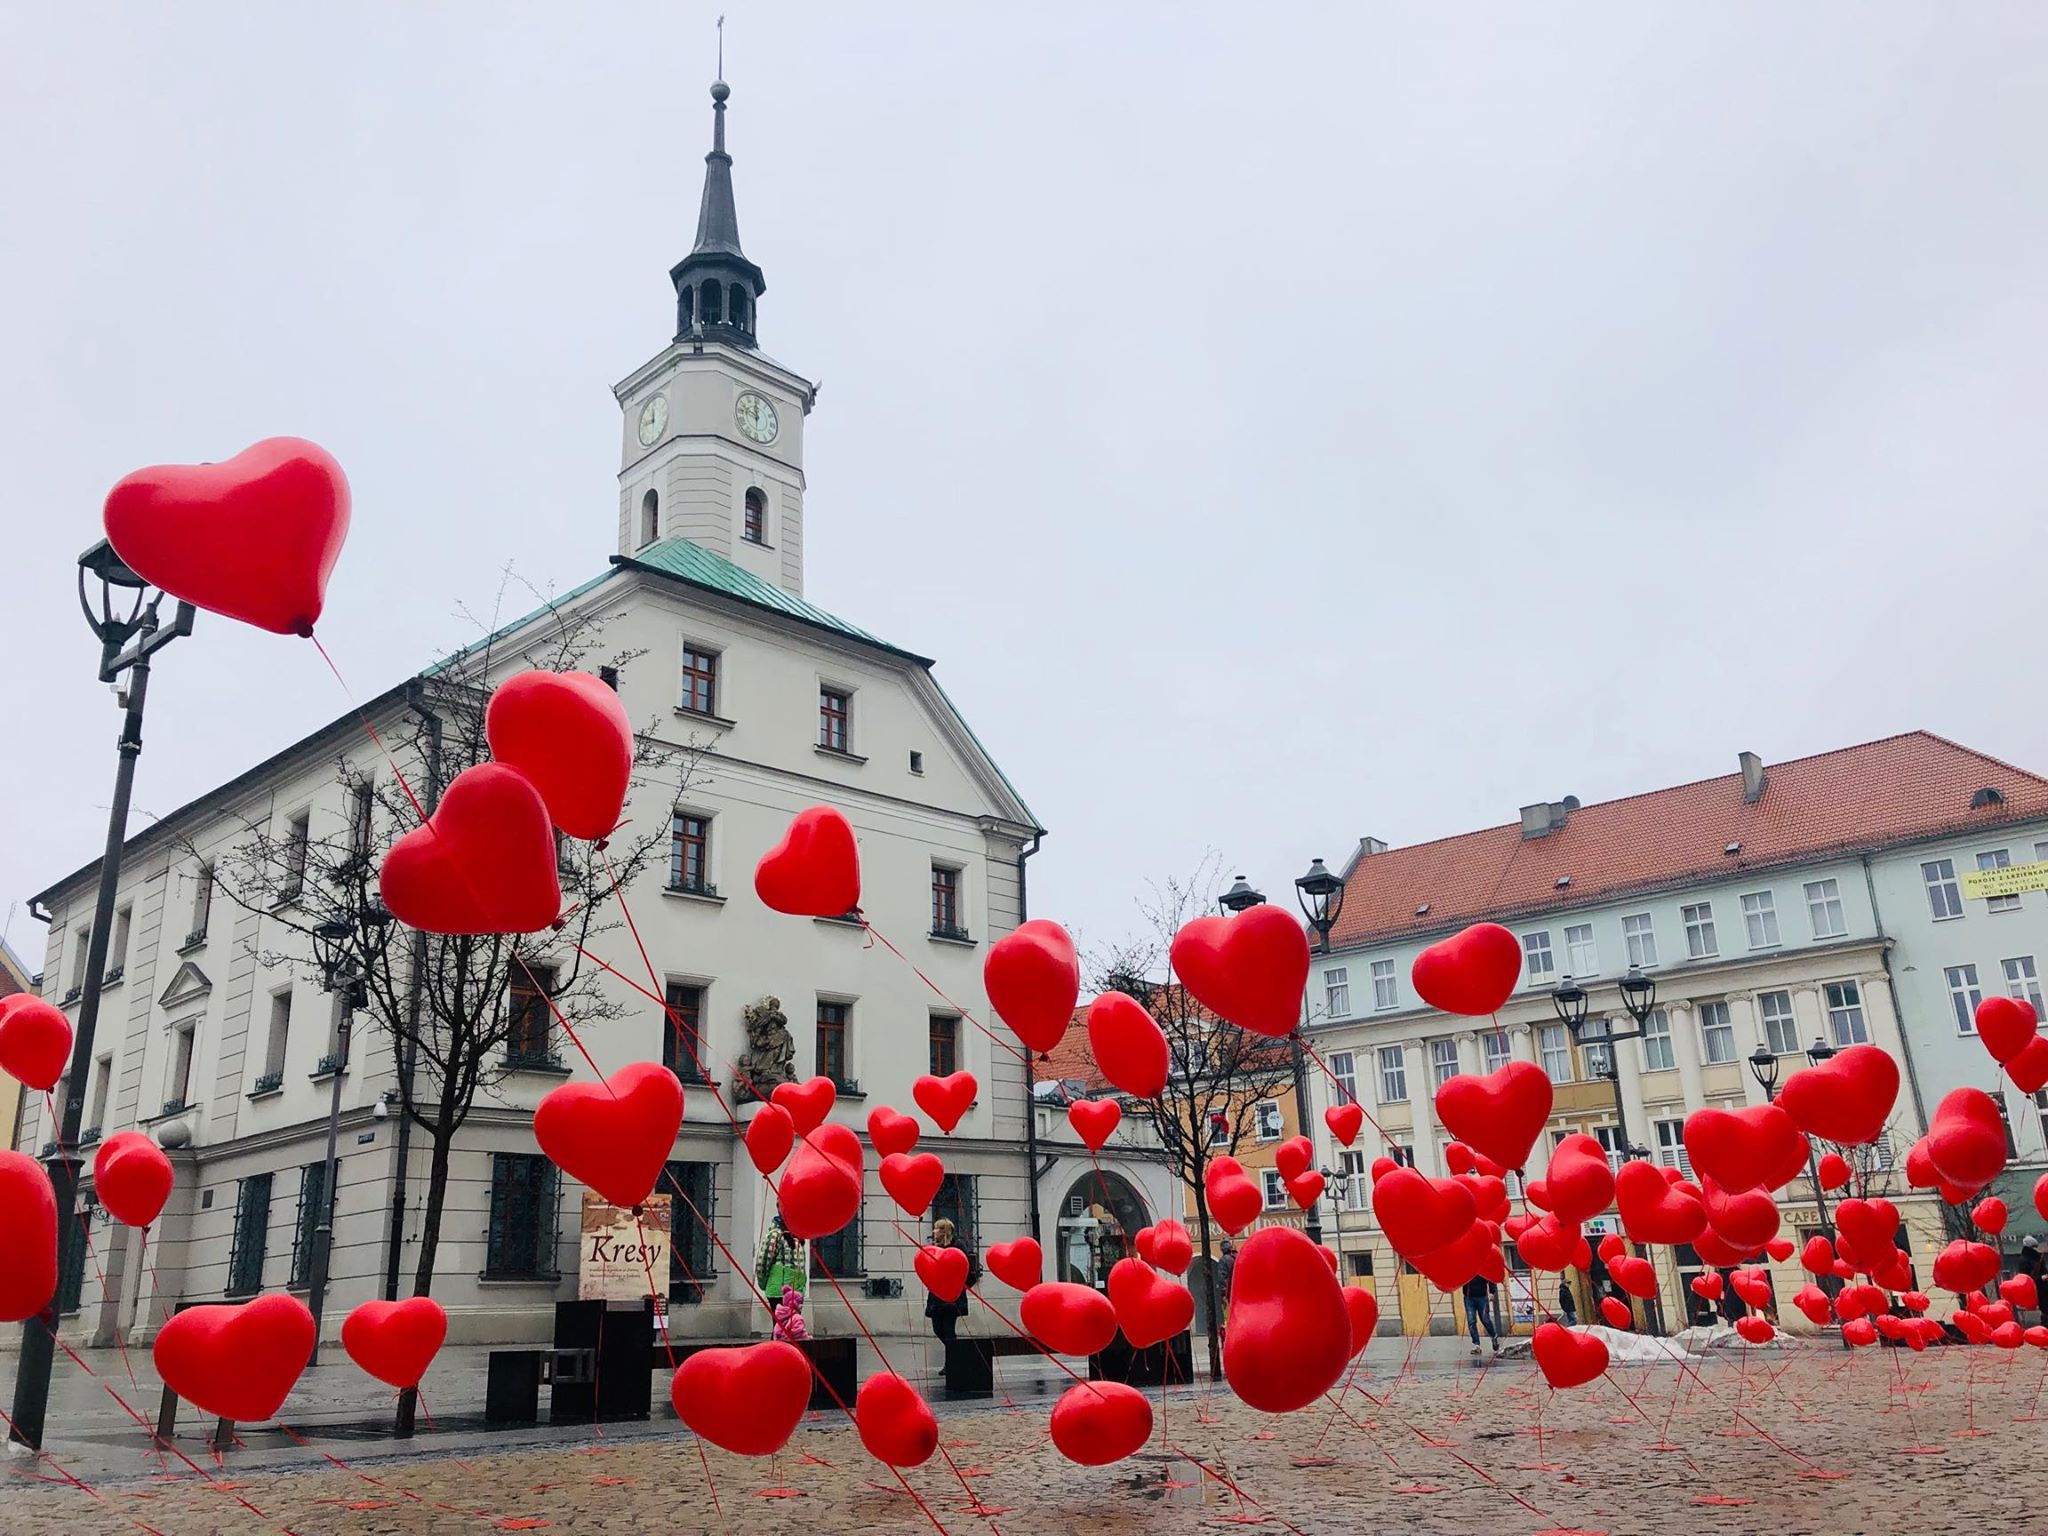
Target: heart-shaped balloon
x: 615, y: 1136
x: 1235, y: 1202
x: 28, y: 1217
x: 1637, y: 1276
x: 2041, y: 1196
x: 254, y: 537
x: 1568, y: 1357
x: 1419, y: 1214
x: 483, y: 863
x: 1859, y: 1334
x: 1866, y: 1228
x: 2029, y: 1069
x: 1755, y: 1330
x: 1818, y: 1256
x: 1018, y: 1263
x: 1811, y: 1300
x: 749, y: 1400
x: 807, y: 1102
x: 2006, y: 1025
x: 1653, y: 1210
x: 1292, y: 1157
x: 942, y: 1270
x: 895, y: 1423
x: 1744, y: 1219
x: 1752, y: 1285
x: 1305, y: 1189
x: 35, y: 1041
x: 1833, y: 1170
x: 395, y: 1341
x: 1250, y: 969
x: 1740, y: 1148
x: 1128, y: 1045
x: 1472, y: 972
x: 1489, y: 1196
x: 1149, y: 1307
x: 1167, y: 1246
x: 2019, y: 1291
x: 815, y: 870
x: 1616, y: 1312
x: 1068, y: 1319
x: 891, y: 1130
x: 1964, y: 1266
x: 1475, y: 1252
x: 1094, y: 1120
x: 1990, y: 1215
x: 1288, y: 1334
x: 132, y: 1177
x: 1548, y: 1243
x: 569, y: 734
x: 1613, y: 1246
x: 912, y: 1179
x: 1499, y: 1115
x: 1364, y: 1308
x: 1709, y: 1285
x: 238, y: 1361
x: 946, y: 1098
x: 1779, y: 1248
x: 1966, y: 1138
x: 1580, y: 1180
x: 1033, y: 979
x: 1344, y: 1121
x: 820, y: 1189
x: 770, y: 1135
x: 1846, y: 1098
x: 1097, y: 1422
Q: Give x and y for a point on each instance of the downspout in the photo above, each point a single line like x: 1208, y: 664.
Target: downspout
x: 1892, y: 986
x: 408, y: 1065
x: 1031, y: 1170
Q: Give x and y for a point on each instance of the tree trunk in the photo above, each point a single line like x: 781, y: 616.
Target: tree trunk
x: 1209, y: 1281
x: 437, y: 1198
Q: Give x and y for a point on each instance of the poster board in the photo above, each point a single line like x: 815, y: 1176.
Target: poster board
x: 616, y: 1253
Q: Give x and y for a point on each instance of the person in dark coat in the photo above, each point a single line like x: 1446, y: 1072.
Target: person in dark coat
x: 945, y: 1315
x: 1479, y: 1309
x: 1567, y: 1304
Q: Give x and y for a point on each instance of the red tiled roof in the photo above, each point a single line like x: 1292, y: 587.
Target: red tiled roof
x: 1070, y: 1060
x: 1851, y: 800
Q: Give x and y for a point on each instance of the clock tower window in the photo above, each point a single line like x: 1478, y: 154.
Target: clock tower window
x: 755, y: 529
x: 650, y: 519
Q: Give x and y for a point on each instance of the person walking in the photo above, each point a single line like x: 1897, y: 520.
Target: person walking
x: 1479, y: 1309
x: 2034, y: 1266
x: 1226, y: 1271
x: 1567, y: 1304
x: 781, y: 1262
x: 945, y: 1315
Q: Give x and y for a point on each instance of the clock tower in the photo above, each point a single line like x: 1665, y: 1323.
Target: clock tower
x: 714, y: 428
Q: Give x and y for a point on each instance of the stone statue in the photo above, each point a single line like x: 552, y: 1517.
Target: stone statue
x: 770, y: 1056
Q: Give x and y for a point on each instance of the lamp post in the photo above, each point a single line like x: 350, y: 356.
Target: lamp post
x: 1764, y: 1067
x: 1321, y: 895
x: 126, y: 623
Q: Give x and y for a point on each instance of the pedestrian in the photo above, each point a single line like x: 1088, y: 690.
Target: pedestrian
x: 1226, y: 1270
x: 2034, y: 1265
x: 781, y: 1263
x: 1567, y: 1304
x: 944, y: 1314
x: 1479, y: 1309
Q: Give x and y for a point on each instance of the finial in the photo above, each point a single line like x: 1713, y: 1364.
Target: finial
x: 721, y: 50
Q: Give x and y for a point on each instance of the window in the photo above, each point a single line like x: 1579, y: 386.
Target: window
x: 1717, y: 1033
x: 103, y: 1079
x: 1609, y: 1137
x: 945, y: 1041
x: 689, y: 855
x: 700, y: 680
x: 81, y: 941
x: 1536, y: 956
x: 1671, y: 1151
x: 1760, y: 918
x: 1845, y: 1014
x: 955, y: 1202
x: 1599, y: 1055
x: 297, y: 834
x: 1337, y: 991
x: 178, y: 1085
x: 754, y: 529
x: 830, y: 1060
x: 362, y: 824
x: 529, y: 1026
x: 202, y: 903
x: 946, y: 903
x: 1701, y: 942
x: 2021, y: 981
x: 280, y: 1032
x: 692, y: 1190
x: 650, y: 518
x: 1781, y: 1029
x: 2040, y: 1110
x: 1996, y: 858
x: 1964, y: 995
x: 1581, y: 957
x: 1443, y: 1061
x: 917, y: 763
x: 252, y: 1226
x: 1824, y: 908
x: 1266, y: 1117
x: 1657, y: 1052
x: 1557, y: 1053
x: 1393, y: 1075
x: 117, y: 952
x: 1641, y: 940
x: 520, y: 1244
x: 682, y: 1042
x: 1276, y: 1191
x: 305, y: 1231
x: 1351, y: 1163
x: 840, y: 1254
x: 1219, y: 1128
x: 1493, y: 1045
x: 1944, y: 896
x: 1386, y: 988
x: 835, y: 717
x: 1344, y: 1070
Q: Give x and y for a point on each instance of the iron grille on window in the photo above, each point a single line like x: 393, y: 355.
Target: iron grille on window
x: 312, y: 1180
x: 521, y: 1242
x: 690, y: 1252
x: 252, y: 1227
x: 682, y: 1039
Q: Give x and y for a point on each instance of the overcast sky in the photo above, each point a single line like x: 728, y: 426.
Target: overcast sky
x: 1283, y: 423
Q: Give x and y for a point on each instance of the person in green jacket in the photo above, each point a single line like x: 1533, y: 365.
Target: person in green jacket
x: 781, y: 1262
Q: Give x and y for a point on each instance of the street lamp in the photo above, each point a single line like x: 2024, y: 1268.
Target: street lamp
x: 1240, y: 897
x: 1321, y: 895
x: 1764, y: 1067
x: 126, y: 612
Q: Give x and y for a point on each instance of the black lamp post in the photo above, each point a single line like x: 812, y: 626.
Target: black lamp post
x: 1764, y: 1067
x: 1321, y: 895
x: 124, y: 620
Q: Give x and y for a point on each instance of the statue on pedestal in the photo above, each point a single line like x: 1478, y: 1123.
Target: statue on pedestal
x: 770, y: 1056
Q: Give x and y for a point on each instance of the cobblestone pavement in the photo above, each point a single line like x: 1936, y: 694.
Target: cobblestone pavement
x: 1800, y: 1440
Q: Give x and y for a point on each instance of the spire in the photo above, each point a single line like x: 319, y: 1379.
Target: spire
x: 716, y: 286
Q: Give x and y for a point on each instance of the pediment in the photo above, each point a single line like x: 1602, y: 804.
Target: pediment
x: 188, y: 985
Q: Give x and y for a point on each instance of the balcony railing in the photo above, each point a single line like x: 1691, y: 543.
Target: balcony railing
x: 330, y: 1064
x: 691, y: 888
x: 531, y: 1058
x: 269, y: 1082
x: 174, y: 1106
x: 193, y: 940
x: 89, y: 1137
x: 114, y: 974
x: 953, y: 932
x: 73, y: 994
x: 847, y: 1087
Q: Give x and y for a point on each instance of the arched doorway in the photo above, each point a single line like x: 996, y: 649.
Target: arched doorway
x: 1099, y: 1222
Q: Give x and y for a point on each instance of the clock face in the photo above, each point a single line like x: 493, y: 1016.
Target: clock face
x: 653, y: 417
x: 756, y: 417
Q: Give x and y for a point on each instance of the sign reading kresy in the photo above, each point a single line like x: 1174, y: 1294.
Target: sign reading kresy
x: 617, y: 1253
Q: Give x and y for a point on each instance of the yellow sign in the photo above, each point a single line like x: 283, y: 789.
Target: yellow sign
x: 2013, y: 880
x: 622, y: 1257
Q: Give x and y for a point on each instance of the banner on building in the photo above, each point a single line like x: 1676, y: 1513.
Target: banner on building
x: 617, y: 1252
x: 2012, y: 880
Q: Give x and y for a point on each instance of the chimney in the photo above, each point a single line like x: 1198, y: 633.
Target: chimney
x: 1752, y: 778
x: 1368, y: 846
x: 1546, y: 816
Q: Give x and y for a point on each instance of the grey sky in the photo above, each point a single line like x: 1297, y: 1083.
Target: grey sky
x: 1282, y: 423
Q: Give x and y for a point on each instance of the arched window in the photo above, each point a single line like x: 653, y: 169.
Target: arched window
x: 650, y: 519
x: 1099, y: 1223
x: 736, y: 306
x: 756, y: 527
x: 686, y: 313
x: 713, y: 309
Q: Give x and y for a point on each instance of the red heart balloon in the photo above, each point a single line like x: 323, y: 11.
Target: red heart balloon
x: 1489, y: 1196
x: 1715, y: 1249
x: 1475, y: 1252
x: 946, y: 1098
x: 1149, y: 1307
x: 749, y: 1400
x: 1458, y: 1157
x: 1567, y: 1357
x: 1293, y: 1156
x: 943, y: 1270
x: 1779, y: 1248
x: 891, y: 1130
x: 1305, y: 1189
x: 1966, y: 1139
x: 1616, y: 1311
x: 2029, y: 1069
x: 1499, y: 1115
x: 2037, y: 1336
x: 615, y: 1136
x: 2041, y: 1196
x: 1097, y: 1422
x: 1708, y: 1285
x: 35, y: 1041
x: 1033, y: 979
x: 28, y: 1215
x: 1472, y: 972
x: 815, y: 870
x: 1235, y: 1202
x: 1169, y: 1247
x: 1846, y: 1098
x: 1817, y: 1257
x: 1068, y: 1319
x: 1834, y: 1170
x: 1580, y: 1179
x: 239, y: 1361
x: 1364, y: 1309
x: 1744, y: 1219
x: 1288, y: 1334
x: 1755, y: 1330
x: 1127, y: 1044
x: 1420, y: 1215
x: 253, y: 538
x: 1740, y: 1148
x: 483, y: 863
x: 1752, y: 1285
x: 1344, y: 1121
x: 569, y: 734
x: 395, y: 1341
x: 770, y: 1135
x: 1865, y: 1227
x: 1093, y: 1120
x: 1813, y: 1302
x: 133, y: 1178
x: 912, y: 1179
x: 820, y: 1190
x: 2019, y: 1291
x: 1860, y: 1333
x: 1549, y: 1242
x: 1964, y: 1266
x: 2006, y: 1025
x: 808, y: 1102
x: 1637, y: 1276
x: 1250, y: 969
x: 1018, y: 1263
x: 1613, y: 1246
x: 895, y: 1423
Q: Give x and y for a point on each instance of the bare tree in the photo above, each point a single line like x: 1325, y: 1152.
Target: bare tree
x: 1217, y: 1074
